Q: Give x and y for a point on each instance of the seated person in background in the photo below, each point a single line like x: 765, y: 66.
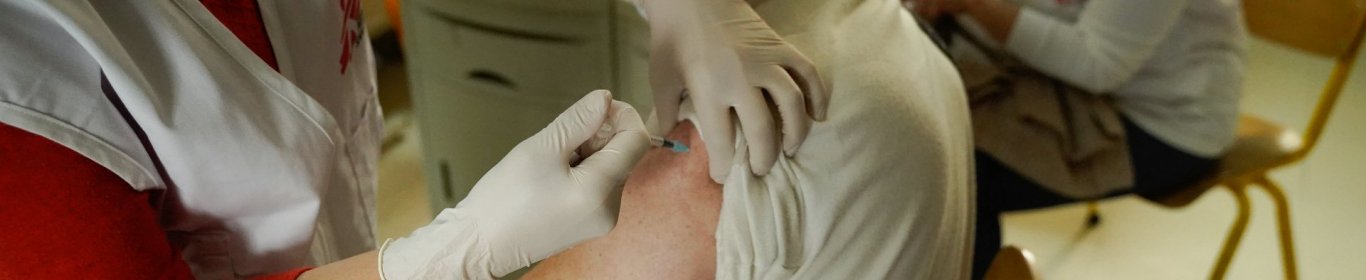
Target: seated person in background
x: 1172, y: 69
x: 881, y: 189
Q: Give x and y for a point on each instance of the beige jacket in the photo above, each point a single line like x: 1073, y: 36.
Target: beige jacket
x: 1065, y: 139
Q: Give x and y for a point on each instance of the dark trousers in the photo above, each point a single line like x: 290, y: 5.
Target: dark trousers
x: 1159, y: 169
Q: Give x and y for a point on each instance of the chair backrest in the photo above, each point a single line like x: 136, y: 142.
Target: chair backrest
x: 1323, y: 27
x: 1330, y: 28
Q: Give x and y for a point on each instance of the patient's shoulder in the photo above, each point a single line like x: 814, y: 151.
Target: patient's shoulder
x: 897, y: 105
x: 894, y: 154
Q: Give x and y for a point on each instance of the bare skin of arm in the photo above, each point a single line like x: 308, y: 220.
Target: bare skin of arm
x: 996, y: 16
x: 359, y: 267
x: 667, y: 225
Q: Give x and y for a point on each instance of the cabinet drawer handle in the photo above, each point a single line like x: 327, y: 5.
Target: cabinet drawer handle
x: 489, y: 77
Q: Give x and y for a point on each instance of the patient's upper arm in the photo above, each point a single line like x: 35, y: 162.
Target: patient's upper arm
x: 667, y: 224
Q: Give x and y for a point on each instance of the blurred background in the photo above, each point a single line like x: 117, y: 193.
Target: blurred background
x: 468, y: 62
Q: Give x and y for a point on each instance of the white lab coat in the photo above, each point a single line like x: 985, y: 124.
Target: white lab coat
x: 257, y: 171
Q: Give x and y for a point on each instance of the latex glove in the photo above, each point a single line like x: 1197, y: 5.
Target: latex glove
x: 727, y: 58
x: 532, y: 204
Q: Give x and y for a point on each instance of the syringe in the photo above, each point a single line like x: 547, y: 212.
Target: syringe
x: 668, y: 144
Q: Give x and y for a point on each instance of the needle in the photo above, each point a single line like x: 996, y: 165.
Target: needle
x: 669, y: 144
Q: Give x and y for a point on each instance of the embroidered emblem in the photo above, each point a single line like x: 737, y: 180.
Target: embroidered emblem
x: 351, y: 29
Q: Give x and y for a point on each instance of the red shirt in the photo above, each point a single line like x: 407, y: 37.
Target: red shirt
x: 66, y: 217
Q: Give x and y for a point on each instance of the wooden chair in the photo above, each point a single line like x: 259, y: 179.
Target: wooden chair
x: 1328, y: 28
x: 1011, y: 263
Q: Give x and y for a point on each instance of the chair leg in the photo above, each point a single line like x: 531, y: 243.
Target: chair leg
x: 1235, y: 233
x: 1283, y: 224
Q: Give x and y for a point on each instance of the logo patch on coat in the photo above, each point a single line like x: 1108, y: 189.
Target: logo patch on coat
x: 351, y: 28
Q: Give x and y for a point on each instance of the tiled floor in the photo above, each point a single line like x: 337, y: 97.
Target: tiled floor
x: 1136, y: 240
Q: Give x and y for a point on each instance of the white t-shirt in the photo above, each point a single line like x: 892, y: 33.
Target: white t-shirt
x: 883, y: 188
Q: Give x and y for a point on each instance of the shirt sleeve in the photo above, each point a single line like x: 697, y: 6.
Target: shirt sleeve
x: 67, y: 217
x: 1108, y: 44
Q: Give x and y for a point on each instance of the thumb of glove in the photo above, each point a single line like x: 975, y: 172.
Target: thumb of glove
x: 627, y: 142
x: 576, y: 125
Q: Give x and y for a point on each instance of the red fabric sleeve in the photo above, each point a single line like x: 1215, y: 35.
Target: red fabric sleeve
x: 66, y: 217
x: 243, y: 18
x: 287, y: 275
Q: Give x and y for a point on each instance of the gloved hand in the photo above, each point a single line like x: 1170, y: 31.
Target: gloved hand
x: 533, y: 203
x: 727, y: 58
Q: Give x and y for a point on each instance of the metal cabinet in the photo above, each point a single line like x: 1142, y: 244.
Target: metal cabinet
x: 486, y: 74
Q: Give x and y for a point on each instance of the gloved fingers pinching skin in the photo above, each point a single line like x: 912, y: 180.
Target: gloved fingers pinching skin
x: 720, y: 142
x: 726, y: 58
x: 786, y: 95
x: 803, y: 73
x: 759, y: 130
